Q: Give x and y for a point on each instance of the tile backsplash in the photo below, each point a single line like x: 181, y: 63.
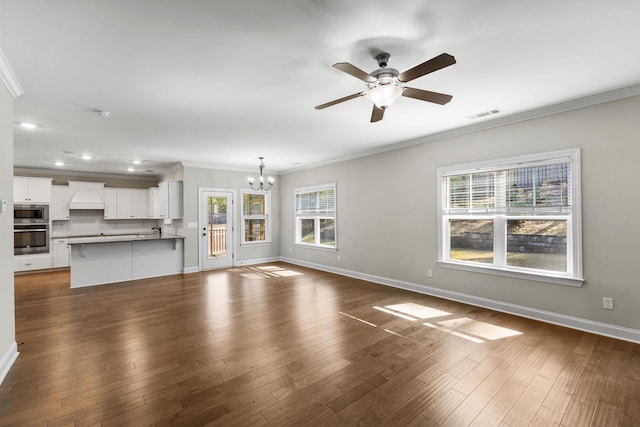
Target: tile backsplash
x: 91, y: 222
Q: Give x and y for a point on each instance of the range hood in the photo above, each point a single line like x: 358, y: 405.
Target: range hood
x: 86, y: 195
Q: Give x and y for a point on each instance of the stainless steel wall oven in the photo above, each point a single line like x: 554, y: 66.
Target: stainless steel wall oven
x: 30, y: 229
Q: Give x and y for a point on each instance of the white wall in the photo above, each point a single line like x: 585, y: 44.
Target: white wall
x: 194, y: 178
x: 387, y: 211
x: 7, y: 309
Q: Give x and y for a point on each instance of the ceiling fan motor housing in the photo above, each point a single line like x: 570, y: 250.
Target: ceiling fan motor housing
x: 383, y: 59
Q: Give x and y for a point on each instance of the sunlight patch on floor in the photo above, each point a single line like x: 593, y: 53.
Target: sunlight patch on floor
x: 264, y: 272
x: 480, y: 329
x: 463, y: 327
x: 416, y: 310
x: 358, y: 319
x: 402, y: 316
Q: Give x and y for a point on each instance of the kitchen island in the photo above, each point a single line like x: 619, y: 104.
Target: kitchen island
x: 97, y: 260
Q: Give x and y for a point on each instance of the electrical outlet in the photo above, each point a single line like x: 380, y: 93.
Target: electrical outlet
x: 339, y: 258
x: 429, y: 274
x: 607, y: 303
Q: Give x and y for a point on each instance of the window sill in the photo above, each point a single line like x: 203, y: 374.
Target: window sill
x: 557, y: 280
x: 322, y: 248
x: 263, y: 243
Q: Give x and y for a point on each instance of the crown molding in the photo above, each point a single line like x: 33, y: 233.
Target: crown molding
x: 8, y: 78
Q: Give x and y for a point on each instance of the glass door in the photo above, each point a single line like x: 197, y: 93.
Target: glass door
x: 216, y: 229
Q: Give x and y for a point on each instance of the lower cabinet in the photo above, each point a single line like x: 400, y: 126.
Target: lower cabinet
x: 61, y: 251
x: 31, y: 262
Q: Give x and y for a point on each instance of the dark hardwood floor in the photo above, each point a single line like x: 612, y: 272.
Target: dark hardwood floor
x: 278, y: 344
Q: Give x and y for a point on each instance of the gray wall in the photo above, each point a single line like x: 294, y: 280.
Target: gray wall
x: 7, y: 311
x: 194, y: 178
x: 387, y: 211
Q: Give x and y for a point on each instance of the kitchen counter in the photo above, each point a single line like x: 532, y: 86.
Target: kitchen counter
x: 104, y: 238
x: 97, y: 260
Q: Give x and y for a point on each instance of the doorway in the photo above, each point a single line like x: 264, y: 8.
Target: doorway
x: 216, y: 229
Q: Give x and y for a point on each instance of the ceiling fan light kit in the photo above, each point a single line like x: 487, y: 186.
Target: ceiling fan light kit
x: 385, y: 84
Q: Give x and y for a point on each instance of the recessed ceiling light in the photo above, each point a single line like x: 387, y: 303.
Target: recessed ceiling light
x: 58, y: 163
x: 485, y: 114
x: 137, y: 162
x: 102, y: 113
x: 131, y: 169
x: 86, y: 157
x: 28, y: 125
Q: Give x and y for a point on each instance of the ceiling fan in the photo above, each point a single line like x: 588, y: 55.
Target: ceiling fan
x: 385, y: 84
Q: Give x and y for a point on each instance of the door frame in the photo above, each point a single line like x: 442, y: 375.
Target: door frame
x: 231, y: 220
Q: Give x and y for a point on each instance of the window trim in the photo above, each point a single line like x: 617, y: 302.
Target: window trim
x: 267, y: 217
x: 574, y: 225
x: 315, y: 217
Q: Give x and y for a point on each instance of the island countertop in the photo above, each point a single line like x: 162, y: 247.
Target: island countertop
x: 107, y: 238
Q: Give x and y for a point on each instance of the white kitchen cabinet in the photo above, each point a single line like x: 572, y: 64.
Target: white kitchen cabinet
x: 110, y: 203
x: 131, y: 203
x: 170, y: 199
x: 61, y: 251
x: 31, y: 262
x: 153, y: 203
x: 31, y: 190
x: 60, y: 202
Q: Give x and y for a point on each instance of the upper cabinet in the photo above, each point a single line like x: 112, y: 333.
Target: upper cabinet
x: 31, y: 190
x: 132, y: 203
x: 153, y: 203
x: 125, y: 203
x: 170, y: 193
x: 60, y: 202
x: 110, y: 203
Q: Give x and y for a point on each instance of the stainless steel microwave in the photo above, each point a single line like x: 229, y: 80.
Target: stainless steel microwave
x: 30, y: 214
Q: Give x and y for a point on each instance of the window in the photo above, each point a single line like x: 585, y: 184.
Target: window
x: 256, y: 209
x: 315, y: 213
x: 515, y: 217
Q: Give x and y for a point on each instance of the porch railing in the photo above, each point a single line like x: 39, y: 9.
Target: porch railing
x: 217, y: 239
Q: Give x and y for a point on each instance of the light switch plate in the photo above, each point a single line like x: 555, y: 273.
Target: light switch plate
x: 3, y: 206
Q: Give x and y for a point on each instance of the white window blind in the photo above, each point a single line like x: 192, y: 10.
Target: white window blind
x: 529, y: 189
x: 322, y: 201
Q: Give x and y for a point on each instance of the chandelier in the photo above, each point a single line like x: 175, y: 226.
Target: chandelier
x: 262, y: 186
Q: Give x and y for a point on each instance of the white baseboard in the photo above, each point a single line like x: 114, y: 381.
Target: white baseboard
x: 257, y: 261
x: 189, y: 270
x: 613, y: 331
x: 9, y: 356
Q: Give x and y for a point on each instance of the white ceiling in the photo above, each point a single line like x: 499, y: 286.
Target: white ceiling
x: 219, y: 83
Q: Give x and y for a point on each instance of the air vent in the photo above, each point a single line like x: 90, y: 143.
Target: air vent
x: 485, y: 114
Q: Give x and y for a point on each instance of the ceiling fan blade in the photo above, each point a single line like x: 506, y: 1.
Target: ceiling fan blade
x: 376, y: 114
x: 425, y: 95
x: 338, y: 101
x: 433, y: 64
x: 354, y: 71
